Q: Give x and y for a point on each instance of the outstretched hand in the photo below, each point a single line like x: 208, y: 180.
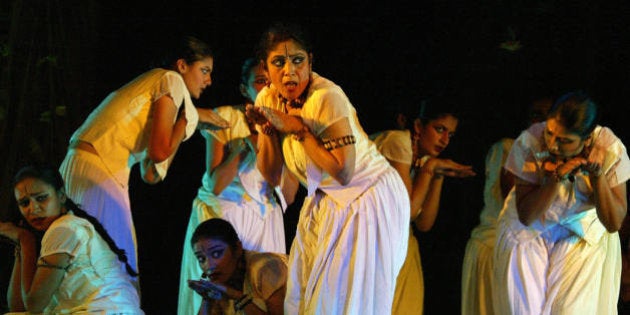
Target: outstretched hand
x: 209, y: 119
x: 451, y: 168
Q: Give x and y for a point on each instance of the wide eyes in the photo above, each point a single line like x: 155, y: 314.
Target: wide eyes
x: 280, y: 61
x: 215, y: 254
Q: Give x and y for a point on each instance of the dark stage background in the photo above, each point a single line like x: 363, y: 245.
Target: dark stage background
x: 59, y: 59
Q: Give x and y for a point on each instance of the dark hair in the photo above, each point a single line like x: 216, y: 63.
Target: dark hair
x: 438, y: 107
x: 576, y: 112
x: 189, y: 48
x: 216, y: 229
x: 280, y: 32
x: 246, y: 69
x: 50, y: 175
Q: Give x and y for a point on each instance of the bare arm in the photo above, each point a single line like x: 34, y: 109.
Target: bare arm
x: 533, y: 200
x: 427, y: 189
x: 46, y: 281
x: 289, y: 186
x: 338, y: 162
x: 222, y: 161
x: 275, y: 303
x: 165, y: 137
x: 270, y: 160
x: 611, y: 203
x: 33, y: 282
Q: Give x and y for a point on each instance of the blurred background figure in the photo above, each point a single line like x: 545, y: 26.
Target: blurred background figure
x: 423, y: 173
x: 477, y: 269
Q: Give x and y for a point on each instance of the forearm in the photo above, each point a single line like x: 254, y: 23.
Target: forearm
x: 611, y: 204
x: 419, y: 191
x: 339, y: 164
x: 533, y: 201
x: 269, y: 159
x: 149, y: 172
x: 28, y: 263
x: 14, y: 294
x: 177, y: 137
x: 166, y: 136
x: 224, y: 173
x: 425, y: 220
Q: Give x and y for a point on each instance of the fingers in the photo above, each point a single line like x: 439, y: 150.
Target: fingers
x: 255, y: 114
x: 461, y: 173
x: 212, y: 119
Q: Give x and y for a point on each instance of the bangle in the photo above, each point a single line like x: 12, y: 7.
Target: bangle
x: 268, y: 130
x: 301, y: 134
x: 242, y: 302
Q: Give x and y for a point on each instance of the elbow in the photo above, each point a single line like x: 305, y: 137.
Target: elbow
x: 615, y: 223
x: 524, y: 220
x: 423, y: 227
x: 614, y: 226
x: 158, y: 156
x: 343, y: 180
x: 344, y: 176
x: 288, y: 199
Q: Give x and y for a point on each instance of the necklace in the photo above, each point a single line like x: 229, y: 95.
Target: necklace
x: 299, y: 101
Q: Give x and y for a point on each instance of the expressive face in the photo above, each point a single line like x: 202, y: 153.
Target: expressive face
x: 217, y: 259
x: 39, y: 202
x: 435, y: 136
x: 560, y: 142
x: 289, y: 67
x: 256, y: 81
x: 197, y: 75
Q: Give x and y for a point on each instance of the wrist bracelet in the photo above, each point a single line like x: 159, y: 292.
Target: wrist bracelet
x: 242, y: 302
x: 299, y: 136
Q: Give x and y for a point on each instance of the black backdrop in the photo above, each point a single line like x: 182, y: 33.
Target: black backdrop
x: 384, y: 56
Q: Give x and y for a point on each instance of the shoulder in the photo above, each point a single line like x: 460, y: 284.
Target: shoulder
x: 531, y: 137
x: 266, y: 260
x: 604, y: 136
x: 322, y: 87
x: 70, y: 220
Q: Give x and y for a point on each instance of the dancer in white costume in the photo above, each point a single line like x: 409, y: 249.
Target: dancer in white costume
x: 477, y: 267
x: 76, y: 271
x: 143, y: 122
x: 351, y: 238
x: 233, y: 189
x: 557, y: 249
